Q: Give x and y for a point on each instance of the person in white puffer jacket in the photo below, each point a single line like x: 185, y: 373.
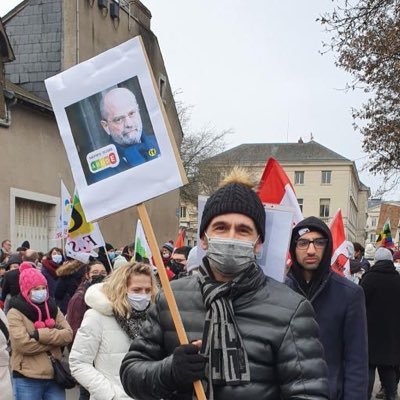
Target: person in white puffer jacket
x: 118, y: 309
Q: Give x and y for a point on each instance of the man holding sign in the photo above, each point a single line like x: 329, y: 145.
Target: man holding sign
x: 250, y: 335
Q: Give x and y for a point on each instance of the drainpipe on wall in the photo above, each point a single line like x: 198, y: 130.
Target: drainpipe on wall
x: 10, y: 100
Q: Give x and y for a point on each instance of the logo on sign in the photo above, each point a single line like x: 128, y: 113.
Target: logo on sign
x: 103, y: 158
x: 152, y: 152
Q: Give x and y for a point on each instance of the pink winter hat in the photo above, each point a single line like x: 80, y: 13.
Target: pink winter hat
x: 30, y: 277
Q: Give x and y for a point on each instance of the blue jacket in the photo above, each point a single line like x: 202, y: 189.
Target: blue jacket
x: 339, y: 305
x: 129, y: 156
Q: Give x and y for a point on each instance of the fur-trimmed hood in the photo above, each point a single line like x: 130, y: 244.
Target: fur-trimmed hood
x: 69, y: 268
x: 96, y: 299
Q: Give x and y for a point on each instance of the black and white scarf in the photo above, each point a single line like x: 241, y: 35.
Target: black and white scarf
x: 131, y: 326
x: 222, y: 343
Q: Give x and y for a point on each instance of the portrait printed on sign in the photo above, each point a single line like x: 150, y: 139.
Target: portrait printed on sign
x: 112, y: 131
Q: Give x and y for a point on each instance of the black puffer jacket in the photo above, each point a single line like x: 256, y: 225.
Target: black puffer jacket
x: 279, y: 332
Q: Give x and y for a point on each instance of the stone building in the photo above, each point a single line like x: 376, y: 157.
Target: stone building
x: 44, y: 38
x: 323, y: 180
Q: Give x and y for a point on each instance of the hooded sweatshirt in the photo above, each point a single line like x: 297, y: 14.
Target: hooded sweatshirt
x: 310, y: 289
x: 339, y: 306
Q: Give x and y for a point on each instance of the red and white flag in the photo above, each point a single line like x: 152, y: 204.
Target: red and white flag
x: 275, y: 188
x: 340, y: 256
x: 180, y: 240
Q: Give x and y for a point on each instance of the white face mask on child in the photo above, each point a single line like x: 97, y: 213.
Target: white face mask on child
x: 39, y: 296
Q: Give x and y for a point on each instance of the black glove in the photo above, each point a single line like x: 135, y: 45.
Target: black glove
x: 187, y: 365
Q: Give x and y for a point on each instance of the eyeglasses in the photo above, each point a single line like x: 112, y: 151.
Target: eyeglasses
x: 104, y: 273
x: 318, y: 243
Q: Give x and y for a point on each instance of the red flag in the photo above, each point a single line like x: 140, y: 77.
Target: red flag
x: 275, y: 188
x: 340, y: 257
x: 180, y: 240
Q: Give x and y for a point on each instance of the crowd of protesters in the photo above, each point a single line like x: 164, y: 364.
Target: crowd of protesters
x: 318, y: 335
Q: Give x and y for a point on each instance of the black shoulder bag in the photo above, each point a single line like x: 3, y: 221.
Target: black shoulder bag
x: 62, y: 373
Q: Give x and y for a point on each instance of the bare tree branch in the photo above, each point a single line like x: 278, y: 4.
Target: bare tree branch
x: 195, y: 148
x: 365, y: 35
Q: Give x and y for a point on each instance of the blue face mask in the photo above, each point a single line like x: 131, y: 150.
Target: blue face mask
x: 38, y: 296
x: 111, y: 255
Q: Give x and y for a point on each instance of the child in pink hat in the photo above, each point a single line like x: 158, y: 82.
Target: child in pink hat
x: 38, y: 330
x: 34, y: 290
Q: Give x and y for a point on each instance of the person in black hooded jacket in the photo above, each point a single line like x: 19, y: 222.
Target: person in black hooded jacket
x: 339, y: 306
x: 381, y: 285
x: 251, y: 337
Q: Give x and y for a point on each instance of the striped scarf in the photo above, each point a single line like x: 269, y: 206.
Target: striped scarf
x: 222, y: 343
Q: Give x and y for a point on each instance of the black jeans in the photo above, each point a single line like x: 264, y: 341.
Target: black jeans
x: 389, y: 379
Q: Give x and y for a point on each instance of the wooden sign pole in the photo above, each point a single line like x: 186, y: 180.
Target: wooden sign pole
x: 173, y: 308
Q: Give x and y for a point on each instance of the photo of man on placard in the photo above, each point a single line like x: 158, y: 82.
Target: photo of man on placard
x: 112, y: 131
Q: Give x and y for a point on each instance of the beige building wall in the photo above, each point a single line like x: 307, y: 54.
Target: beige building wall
x: 33, y: 160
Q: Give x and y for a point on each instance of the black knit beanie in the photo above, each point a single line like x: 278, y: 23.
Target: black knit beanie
x: 234, y: 198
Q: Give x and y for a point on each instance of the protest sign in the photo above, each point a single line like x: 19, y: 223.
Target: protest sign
x: 83, y: 237
x: 278, y: 231
x: 119, y: 143
x: 115, y: 131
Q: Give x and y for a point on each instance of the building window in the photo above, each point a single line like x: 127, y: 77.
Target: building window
x: 300, y: 201
x: 372, y: 237
x: 299, y: 177
x: 324, y: 207
x: 373, y: 221
x: 183, y: 212
x: 326, y: 177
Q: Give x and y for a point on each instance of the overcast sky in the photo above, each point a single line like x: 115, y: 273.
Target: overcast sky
x: 254, y: 66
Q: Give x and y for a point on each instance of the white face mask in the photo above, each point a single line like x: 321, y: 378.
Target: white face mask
x: 397, y: 265
x: 57, y: 258
x: 38, y: 296
x: 139, y: 301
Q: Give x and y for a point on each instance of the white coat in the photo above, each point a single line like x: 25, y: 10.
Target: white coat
x: 5, y: 379
x: 99, y: 347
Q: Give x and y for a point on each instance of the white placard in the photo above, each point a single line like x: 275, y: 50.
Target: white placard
x: 115, y: 131
x: 278, y: 231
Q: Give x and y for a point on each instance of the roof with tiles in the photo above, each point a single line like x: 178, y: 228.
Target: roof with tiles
x: 283, y: 152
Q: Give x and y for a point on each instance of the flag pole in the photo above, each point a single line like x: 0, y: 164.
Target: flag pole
x: 173, y: 308
x: 108, y: 258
